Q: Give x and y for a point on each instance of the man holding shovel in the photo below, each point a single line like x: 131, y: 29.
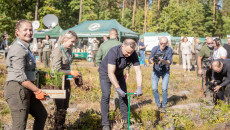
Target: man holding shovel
x: 111, y: 72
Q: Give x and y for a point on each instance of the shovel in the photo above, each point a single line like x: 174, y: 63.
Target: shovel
x: 129, y: 106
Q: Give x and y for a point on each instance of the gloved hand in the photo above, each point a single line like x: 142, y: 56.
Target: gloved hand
x: 120, y: 92
x: 139, y: 91
x: 40, y: 95
x: 74, y: 73
x: 47, y: 76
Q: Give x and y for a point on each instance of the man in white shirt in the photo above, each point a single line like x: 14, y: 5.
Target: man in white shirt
x: 219, y: 51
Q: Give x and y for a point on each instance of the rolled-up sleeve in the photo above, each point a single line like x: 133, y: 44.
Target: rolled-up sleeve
x: 56, y: 59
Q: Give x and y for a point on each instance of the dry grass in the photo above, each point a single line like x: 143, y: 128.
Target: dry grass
x: 87, y: 98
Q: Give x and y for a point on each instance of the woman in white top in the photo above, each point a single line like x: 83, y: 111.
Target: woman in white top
x: 219, y: 51
x: 186, y: 49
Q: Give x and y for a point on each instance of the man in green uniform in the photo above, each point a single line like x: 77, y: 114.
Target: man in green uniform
x: 204, y: 54
x: 105, y: 46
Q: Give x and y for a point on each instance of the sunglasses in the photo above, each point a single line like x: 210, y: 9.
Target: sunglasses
x: 163, y: 43
x: 210, y: 43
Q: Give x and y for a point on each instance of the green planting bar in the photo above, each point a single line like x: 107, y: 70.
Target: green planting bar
x: 129, y: 106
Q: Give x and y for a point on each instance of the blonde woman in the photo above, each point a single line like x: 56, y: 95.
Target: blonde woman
x: 61, y: 62
x: 186, y: 49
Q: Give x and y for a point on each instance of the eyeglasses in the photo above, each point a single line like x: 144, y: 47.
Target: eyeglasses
x: 163, y: 43
x: 211, y: 43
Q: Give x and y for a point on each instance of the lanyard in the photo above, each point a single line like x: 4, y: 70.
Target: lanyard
x: 31, y: 55
x: 66, y: 56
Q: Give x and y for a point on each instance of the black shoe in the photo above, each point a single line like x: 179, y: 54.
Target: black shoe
x: 106, y: 127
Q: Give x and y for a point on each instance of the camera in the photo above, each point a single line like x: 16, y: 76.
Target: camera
x: 157, y: 56
x: 207, y: 63
x: 212, y: 85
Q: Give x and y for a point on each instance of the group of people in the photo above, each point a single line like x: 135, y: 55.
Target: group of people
x: 113, y: 57
x: 217, y: 71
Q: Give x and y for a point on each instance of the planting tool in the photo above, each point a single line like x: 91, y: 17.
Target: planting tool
x: 129, y: 106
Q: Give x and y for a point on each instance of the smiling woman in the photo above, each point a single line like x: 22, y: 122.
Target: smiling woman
x: 22, y: 96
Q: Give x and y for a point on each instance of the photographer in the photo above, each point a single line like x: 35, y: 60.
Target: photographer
x: 161, y: 55
x: 221, y: 72
x: 204, y: 60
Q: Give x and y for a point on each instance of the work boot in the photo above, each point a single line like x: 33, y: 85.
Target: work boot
x: 59, y: 119
x: 106, y: 127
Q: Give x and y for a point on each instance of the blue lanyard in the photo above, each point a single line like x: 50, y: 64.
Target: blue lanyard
x: 66, y: 56
x: 31, y: 55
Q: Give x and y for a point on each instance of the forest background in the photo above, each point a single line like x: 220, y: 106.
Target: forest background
x: 195, y: 18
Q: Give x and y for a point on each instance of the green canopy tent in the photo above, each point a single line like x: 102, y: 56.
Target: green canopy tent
x: 54, y: 33
x: 148, y: 34
x: 99, y: 28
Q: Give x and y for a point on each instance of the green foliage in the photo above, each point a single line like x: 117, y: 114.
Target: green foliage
x: 190, y: 18
x: 51, y: 79
x: 88, y: 120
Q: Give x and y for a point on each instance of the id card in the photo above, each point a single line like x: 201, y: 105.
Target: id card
x: 47, y: 46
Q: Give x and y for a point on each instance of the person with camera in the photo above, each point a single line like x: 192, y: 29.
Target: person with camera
x: 161, y: 56
x: 221, y: 73
x: 111, y: 72
x: 204, y: 60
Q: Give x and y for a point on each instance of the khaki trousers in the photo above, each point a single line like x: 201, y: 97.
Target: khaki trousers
x: 23, y: 102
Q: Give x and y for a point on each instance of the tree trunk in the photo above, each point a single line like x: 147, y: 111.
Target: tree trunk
x: 187, y: 2
x: 178, y: 4
x: 134, y: 7
x: 130, y: 5
x: 158, y: 14
x: 123, y: 11
x: 36, y: 10
x: 144, y: 29
x: 80, y: 12
x: 214, y: 10
x: 22, y: 2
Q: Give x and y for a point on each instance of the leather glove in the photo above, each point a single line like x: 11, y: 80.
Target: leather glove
x: 139, y: 91
x: 120, y: 92
x: 47, y: 76
x: 40, y: 95
x: 74, y: 73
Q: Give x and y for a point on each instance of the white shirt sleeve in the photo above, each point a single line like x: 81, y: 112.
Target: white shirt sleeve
x: 223, y: 51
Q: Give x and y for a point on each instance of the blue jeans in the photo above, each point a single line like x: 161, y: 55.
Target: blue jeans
x: 142, y: 56
x: 165, y: 79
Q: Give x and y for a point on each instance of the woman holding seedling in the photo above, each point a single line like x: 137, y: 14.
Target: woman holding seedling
x: 61, y: 62
x: 22, y: 96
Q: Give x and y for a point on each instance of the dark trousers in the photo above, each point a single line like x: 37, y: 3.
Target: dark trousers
x: 106, y: 90
x: 61, y: 107
x: 23, y: 102
x: 46, y: 58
